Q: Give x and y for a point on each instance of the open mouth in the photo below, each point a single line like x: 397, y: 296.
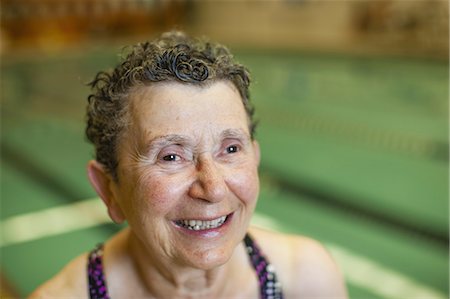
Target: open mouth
x: 202, y: 224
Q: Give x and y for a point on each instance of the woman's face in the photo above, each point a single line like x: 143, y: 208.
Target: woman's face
x: 188, y: 180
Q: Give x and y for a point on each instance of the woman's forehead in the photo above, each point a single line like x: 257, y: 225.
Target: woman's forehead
x: 174, y: 104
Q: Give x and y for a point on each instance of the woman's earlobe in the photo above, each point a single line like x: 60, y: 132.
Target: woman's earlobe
x: 103, y: 185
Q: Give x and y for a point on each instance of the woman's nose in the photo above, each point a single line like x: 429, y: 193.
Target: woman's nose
x: 209, y: 184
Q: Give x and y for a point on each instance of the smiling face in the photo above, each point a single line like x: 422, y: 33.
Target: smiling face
x: 188, y: 180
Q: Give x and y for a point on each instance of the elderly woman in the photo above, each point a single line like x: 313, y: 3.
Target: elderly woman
x: 176, y: 158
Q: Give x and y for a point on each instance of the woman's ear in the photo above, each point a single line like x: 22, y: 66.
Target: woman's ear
x: 103, y: 184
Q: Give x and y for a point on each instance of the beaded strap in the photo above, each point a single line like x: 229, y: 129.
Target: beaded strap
x: 97, y: 282
x: 270, y: 287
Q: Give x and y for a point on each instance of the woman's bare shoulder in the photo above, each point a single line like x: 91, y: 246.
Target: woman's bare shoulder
x: 304, y: 266
x: 70, y: 282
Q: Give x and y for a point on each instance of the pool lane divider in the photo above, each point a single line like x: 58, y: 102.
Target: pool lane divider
x: 53, y: 221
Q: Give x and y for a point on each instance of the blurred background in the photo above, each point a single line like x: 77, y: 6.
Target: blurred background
x: 352, y: 98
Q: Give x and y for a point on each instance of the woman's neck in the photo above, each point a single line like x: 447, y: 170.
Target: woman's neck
x: 163, y: 278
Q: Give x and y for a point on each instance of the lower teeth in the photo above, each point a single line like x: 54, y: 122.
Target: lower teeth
x: 197, y: 227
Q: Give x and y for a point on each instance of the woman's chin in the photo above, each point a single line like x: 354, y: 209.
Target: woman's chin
x: 208, y: 260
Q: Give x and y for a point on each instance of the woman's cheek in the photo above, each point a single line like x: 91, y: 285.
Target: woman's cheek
x: 245, y: 185
x: 161, y: 193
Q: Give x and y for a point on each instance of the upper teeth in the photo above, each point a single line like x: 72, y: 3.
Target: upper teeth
x: 202, y: 224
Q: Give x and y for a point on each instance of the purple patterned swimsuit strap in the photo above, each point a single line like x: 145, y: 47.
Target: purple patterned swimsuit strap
x: 97, y: 282
x: 270, y: 287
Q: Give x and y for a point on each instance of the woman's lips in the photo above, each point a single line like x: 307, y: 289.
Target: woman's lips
x: 203, y: 225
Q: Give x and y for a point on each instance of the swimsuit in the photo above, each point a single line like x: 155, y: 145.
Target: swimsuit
x: 269, y: 286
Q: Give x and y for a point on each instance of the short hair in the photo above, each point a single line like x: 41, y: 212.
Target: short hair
x: 173, y: 57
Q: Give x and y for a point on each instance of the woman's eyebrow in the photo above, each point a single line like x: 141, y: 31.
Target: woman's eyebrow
x: 164, y: 140
x: 235, y: 133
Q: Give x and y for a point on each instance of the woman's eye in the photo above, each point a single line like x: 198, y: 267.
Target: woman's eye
x: 232, y: 149
x: 171, y: 157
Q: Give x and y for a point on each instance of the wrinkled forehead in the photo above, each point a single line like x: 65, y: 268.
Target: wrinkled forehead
x: 173, y: 107
x: 161, y: 98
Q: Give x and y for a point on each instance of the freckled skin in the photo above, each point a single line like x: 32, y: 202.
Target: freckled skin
x: 154, y: 193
